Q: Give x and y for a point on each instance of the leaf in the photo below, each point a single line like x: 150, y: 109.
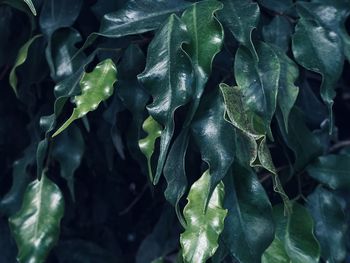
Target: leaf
x: 328, y: 211
x: 241, y: 18
x: 58, y: 14
x: 276, y: 5
x: 215, y: 138
x: 331, y: 170
x: 36, y: 226
x: 154, y: 131
x: 168, y: 77
x: 31, y: 6
x: 68, y: 150
x: 294, y: 240
x: 249, y: 226
x: 96, y: 86
x: 139, y: 16
x: 319, y: 50
x: 21, y: 58
x: 204, y: 225
x: 278, y: 32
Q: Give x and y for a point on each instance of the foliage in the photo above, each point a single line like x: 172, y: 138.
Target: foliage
x: 174, y: 131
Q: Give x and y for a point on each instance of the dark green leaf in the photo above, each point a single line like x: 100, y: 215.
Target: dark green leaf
x: 204, y: 225
x: 168, y: 77
x: 279, y: 6
x: 328, y: 211
x: 96, y: 86
x: 249, y: 226
x: 36, y: 226
x: 241, y: 18
x: 294, y: 240
x: 278, y: 32
x: 331, y: 170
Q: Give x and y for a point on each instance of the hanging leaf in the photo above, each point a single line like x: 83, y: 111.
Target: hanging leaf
x: 154, y: 131
x: 21, y: 58
x: 294, y: 238
x: 96, y: 86
x: 331, y: 170
x: 241, y: 18
x: 204, y: 224
x: 328, y: 212
x: 249, y: 224
x: 168, y: 77
x: 36, y: 226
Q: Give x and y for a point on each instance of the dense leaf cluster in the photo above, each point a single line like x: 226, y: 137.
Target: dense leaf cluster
x: 174, y: 131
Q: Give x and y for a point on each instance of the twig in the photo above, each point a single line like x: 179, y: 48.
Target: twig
x: 339, y: 145
x: 266, y: 176
x: 134, y: 202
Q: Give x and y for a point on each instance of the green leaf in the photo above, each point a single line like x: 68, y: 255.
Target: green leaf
x: 168, y: 77
x: 154, y: 131
x: 241, y: 18
x: 36, y: 226
x: 277, y: 5
x: 31, y: 6
x: 215, y: 138
x: 319, y: 50
x: 249, y: 226
x: 68, y: 150
x: 294, y: 240
x: 21, y: 58
x: 331, y: 170
x: 96, y: 87
x: 204, y: 225
x: 328, y: 211
x: 278, y: 32
x: 139, y: 16
x: 58, y: 14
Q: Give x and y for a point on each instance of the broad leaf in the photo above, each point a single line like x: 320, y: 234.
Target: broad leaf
x: 328, y: 212
x: 249, y: 226
x: 36, y: 226
x: 295, y: 233
x: 204, y: 224
x: 319, y: 50
x: 331, y: 170
x: 21, y: 58
x: 154, y: 131
x: 68, y: 150
x: 139, y: 16
x: 96, y: 87
x: 168, y: 77
x: 241, y: 18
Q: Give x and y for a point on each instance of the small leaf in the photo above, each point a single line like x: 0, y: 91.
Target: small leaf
x: 154, y: 131
x: 241, y: 18
x: 36, y: 226
x: 31, y: 6
x: 331, y: 170
x: 21, y: 58
x: 168, y: 77
x: 328, y: 211
x: 295, y: 233
x: 204, y: 224
x: 96, y: 86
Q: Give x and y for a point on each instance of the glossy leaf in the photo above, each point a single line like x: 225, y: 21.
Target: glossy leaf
x: 96, y: 86
x: 36, y: 226
x: 215, y: 139
x: 21, y: 58
x: 139, y: 16
x: 331, y: 170
x: 328, y: 212
x: 295, y: 233
x: 168, y: 77
x: 278, y: 32
x: 249, y: 226
x: 241, y: 18
x: 154, y: 131
x: 68, y: 150
x: 58, y: 14
x: 319, y: 50
x: 204, y: 225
